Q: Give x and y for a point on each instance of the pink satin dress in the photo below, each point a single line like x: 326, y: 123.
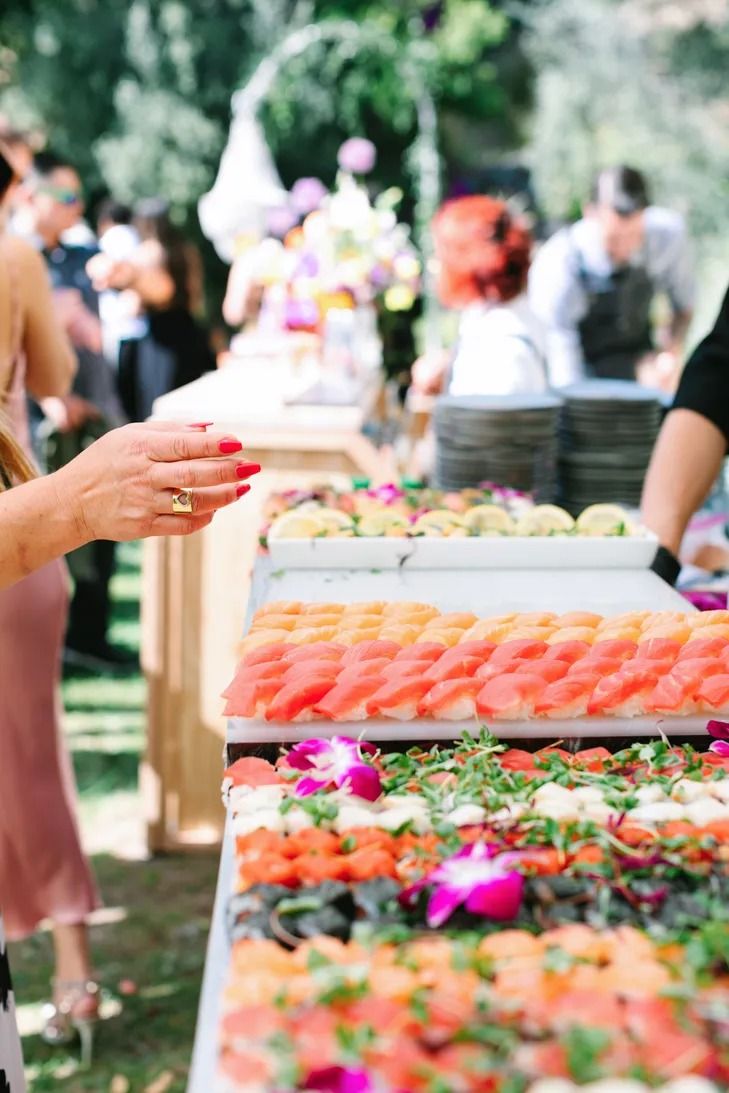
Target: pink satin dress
x: 43, y: 871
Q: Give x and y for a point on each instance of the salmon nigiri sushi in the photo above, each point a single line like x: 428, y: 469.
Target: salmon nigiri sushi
x: 491, y: 670
x: 713, y: 694
x: 623, y: 694
x: 452, y: 668
x: 510, y: 698
x: 251, y: 699
x: 663, y: 649
x: 317, y: 650
x: 549, y: 670
x: 595, y: 666
x: 370, y: 650
x: 274, y: 622
x: 524, y: 650
x: 251, y: 673
x: 451, y: 700
x: 404, y: 669
x: 566, y: 698
x: 426, y: 651
x: 698, y: 647
x: 280, y: 607
x: 447, y: 636
x: 578, y: 618
x: 672, y: 695
x: 568, y: 651
x: 398, y: 698
x: 472, y: 648
x: 348, y: 701
x: 708, y: 618
x: 460, y: 620
x: 362, y: 668
x: 587, y: 634
x: 302, y: 669
x: 271, y: 652
x: 622, y: 648
x: 401, y: 633
x: 296, y: 701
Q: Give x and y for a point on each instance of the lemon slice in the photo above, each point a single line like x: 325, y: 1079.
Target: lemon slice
x: 604, y: 520
x: 335, y: 522
x: 297, y: 525
x: 489, y: 520
x: 383, y: 523
x: 545, y: 520
x: 438, y: 522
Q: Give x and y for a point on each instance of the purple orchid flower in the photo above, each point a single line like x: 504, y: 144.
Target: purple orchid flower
x: 706, y: 601
x: 720, y: 731
x: 357, y: 155
x: 479, y: 877
x: 388, y: 493
x: 339, y: 1079
x: 307, y: 194
x: 337, y: 762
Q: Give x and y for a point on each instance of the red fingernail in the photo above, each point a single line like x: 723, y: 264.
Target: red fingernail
x: 227, y: 447
x: 200, y: 424
x: 245, y: 470
x: 241, y: 490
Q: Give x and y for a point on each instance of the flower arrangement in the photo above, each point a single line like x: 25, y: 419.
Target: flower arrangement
x: 337, y: 249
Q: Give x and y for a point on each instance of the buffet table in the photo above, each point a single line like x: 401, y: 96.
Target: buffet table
x: 195, y: 589
x: 486, y: 592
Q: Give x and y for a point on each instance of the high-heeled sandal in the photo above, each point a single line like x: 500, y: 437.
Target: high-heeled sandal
x: 75, y: 1013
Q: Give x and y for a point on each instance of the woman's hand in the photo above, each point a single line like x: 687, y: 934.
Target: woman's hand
x: 428, y: 373
x: 121, y: 487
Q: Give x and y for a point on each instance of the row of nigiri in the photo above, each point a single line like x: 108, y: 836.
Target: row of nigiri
x: 405, y: 623
x: 512, y: 681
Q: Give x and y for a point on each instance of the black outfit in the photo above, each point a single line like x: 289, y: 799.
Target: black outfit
x: 173, y: 352
x: 704, y: 385
x: 615, y: 332
x: 704, y: 388
x: 93, y: 565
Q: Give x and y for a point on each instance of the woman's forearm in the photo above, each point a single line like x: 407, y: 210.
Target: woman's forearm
x: 685, y: 464
x: 37, y: 524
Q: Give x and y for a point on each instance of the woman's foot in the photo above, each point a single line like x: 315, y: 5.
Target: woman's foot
x: 73, y: 1012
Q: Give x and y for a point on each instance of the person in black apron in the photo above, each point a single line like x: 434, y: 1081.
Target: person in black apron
x: 616, y: 331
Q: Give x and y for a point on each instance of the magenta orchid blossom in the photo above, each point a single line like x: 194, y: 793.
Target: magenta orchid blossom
x: 339, y: 1079
x: 478, y: 877
x: 388, y: 493
x: 338, y: 763
x: 720, y: 732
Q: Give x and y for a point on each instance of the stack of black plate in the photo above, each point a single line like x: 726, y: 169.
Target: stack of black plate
x: 607, y: 432
x: 507, y: 439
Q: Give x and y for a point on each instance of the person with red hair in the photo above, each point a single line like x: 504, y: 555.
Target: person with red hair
x: 483, y: 254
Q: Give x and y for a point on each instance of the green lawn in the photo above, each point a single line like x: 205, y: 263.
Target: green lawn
x: 150, y: 937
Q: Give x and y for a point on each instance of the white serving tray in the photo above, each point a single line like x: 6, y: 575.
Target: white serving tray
x: 250, y: 731
x: 484, y: 552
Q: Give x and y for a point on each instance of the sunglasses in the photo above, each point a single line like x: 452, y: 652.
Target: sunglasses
x: 60, y: 194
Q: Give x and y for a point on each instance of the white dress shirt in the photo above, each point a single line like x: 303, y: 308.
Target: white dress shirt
x: 500, y: 351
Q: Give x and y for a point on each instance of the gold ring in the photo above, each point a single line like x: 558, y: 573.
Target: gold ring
x: 182, y: 501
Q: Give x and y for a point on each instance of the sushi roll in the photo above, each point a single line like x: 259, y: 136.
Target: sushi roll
x: 347, y: 701
x: 510, y: 698
x: 451, y: 700
x: 399, y: 698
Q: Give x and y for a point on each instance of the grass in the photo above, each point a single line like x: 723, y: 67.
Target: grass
x: 149, y: 939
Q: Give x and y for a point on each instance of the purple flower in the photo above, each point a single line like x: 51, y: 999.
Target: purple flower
x: 339, y: 1079
x: 357, y: 155
x: 301, y: 314
x: 478, y: 877
x: 388, y: 493
x: 707, y: 601
x: 281, y: 220
x: 337, y: 762
x: 720, y: 731
x: 307, y: 194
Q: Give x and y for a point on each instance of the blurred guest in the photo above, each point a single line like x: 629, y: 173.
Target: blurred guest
x: 118, y: 310
x: 165, y: 274
x: 43, y: 873
x: 691, y: 446
x: 90, y: 409
x: 482, y: 254
x: 18, y: 150
x: 593, y: 285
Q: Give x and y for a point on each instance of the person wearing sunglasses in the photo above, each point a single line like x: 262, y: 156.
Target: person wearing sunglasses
x: 92, y: 407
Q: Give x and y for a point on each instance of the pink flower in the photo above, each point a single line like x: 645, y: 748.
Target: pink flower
x: 478, y: 877
x: 388, y: 494
x: 281, y: 220
x: 357, y: 155
x: 720, y: 731
x: 339, y: 1079
x: 307, y: 194
x: 337, y: 762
